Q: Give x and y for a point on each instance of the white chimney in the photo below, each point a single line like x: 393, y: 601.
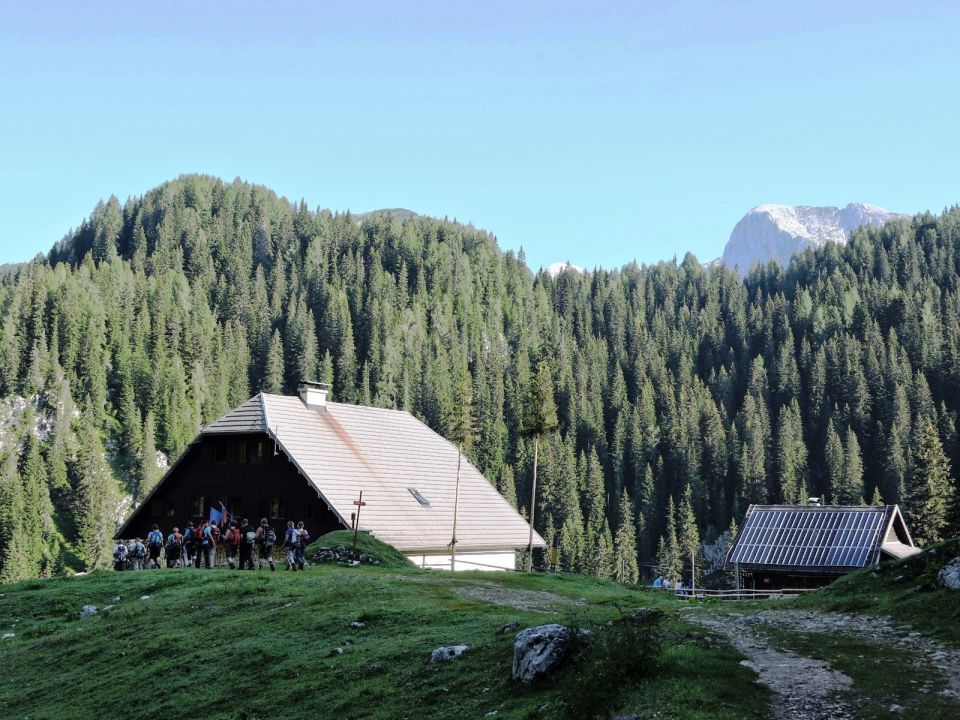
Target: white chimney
x: 314, y: 394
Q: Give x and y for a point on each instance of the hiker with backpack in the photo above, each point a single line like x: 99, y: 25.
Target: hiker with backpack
x: 138, y: 555
x: 304, y: 541
x: 154, y: 545
x: 231, y: 543
x: 248, y: 540
x: 291, y: 544
x: 266, y: 539
x: 190, y: 538
x: 173, y: 547
x: 120, y: 554
x: 209, y: 537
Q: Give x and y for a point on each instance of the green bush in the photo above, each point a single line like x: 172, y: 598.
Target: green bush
x: 606, y: 659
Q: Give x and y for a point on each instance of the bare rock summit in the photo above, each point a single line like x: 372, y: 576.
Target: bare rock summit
x: 777, y: 232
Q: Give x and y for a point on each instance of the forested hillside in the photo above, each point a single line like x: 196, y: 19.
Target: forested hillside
x: 683, y: 394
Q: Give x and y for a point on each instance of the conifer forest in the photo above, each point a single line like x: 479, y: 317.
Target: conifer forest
x: 682, y: 393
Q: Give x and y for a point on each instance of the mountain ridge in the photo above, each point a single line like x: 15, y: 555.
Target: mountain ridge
x: 777, y: 232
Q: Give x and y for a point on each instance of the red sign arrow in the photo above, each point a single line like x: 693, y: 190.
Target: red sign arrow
x: 359, y: 503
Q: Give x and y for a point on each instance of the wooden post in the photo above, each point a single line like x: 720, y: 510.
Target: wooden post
x: 456, y: 502
x: 356, y: 526
x: 533, y: 502
x: 693, y: 573
x: 736, y: 570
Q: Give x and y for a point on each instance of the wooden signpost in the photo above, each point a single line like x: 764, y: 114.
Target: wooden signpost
x: 356, y: 526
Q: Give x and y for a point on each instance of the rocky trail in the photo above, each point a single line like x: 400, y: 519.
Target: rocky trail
x: 805, y: 688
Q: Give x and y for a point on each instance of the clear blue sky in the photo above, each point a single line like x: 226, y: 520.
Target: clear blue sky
x: 591, y: 132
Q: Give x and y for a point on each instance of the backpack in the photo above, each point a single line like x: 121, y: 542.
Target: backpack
x: 269, y: 538
x: 155, y: 539
x: 250, y: 537
x: 138, y: 550
x: 294, y: 537
x: 304, y: 536
x: 188, y: 536
x: 233, y: 537
x: 207, y: 536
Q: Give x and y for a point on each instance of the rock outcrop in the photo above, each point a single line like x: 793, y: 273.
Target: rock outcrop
x: 949, y: 576
x: 777, y: 232
x: 448, y: 653
x: 540, y: 650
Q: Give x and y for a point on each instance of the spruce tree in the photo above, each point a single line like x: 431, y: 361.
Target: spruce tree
x: 274, y: 371
x: 625, y: 568
x: 929, y: 488
x: 94, y: 495
x: 834, y: 465
x: 688, y: 539
x: 15, y: 561
x: 148, y: 472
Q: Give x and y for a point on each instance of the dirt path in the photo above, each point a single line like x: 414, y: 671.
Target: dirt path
x: 533, y: 600
x: 803, y: 688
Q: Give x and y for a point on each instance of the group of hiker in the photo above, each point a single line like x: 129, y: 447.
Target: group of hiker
x: 242, y: 544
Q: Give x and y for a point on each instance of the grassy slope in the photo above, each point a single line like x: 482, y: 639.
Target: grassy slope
x: 387, y: 556
x: 905, y: 590
x: 221, y: 644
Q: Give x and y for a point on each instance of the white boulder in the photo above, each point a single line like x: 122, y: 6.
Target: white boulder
x: 538, y: 651
x: 949, y: 576
x: 448, y: 653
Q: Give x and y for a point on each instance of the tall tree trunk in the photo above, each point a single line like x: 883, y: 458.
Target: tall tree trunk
x: 533, y: 502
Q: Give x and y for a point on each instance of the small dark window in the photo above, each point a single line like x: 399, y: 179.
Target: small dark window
x: 255, y: 452
x: 171, y: 508
x: 420, y: 498
x: 196, y: 507
x: 220, y: 452
x: 279, y: 507
x: 242, y: 449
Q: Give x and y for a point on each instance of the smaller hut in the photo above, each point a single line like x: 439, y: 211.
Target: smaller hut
x: 802, y: 546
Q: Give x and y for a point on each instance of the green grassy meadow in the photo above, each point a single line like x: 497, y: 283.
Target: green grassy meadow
x: 261, y: 645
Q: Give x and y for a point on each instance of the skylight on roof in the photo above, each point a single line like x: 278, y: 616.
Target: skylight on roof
x: 420, y: 497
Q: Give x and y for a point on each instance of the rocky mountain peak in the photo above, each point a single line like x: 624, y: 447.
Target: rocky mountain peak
x: 777, y: 232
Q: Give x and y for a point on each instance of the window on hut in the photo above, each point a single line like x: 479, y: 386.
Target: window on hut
x: 419, y: 496
x: 220, y: 451
x: 196, y: 507
x: 279, y: 507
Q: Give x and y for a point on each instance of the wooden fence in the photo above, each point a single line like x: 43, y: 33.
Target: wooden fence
x: 743, y: 594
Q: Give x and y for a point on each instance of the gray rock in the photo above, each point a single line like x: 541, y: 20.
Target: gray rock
x: 144, y: 597
x: 87, y: 611
x: 357, y: 624
x: 539, y: 650
x: 776, y: 232
x: 115, y: 600
x: 896, y: 709
x: 448, y: 653
x: 8, y: 636
x: 949, y: 576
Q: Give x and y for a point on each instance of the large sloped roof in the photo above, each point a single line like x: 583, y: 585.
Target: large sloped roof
x: 818, y: 539
x: 344, y: 449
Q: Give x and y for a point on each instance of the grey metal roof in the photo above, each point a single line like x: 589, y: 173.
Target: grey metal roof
x: 246, y: 418
x: 815, y: 538
x: 348, y: 448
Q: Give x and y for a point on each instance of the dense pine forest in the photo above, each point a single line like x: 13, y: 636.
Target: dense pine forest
x: 682, y: 393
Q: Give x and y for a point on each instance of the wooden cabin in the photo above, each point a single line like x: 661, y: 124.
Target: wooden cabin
x: 803, y: 546
x: 304, y: 458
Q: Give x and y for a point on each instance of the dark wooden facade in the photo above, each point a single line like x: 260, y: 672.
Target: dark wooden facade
x: 243, y: 472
